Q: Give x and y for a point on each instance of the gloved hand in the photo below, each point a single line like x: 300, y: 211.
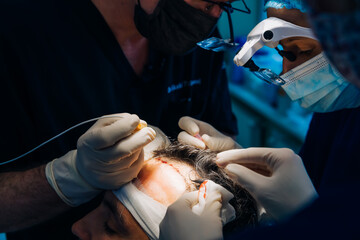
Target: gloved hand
x: 108, y: 155
x: 285, y: 192
x: 181, y: 223
x: 201, y: 135
x: 161, y: 141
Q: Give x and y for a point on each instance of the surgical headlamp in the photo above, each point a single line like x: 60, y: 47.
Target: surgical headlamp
x: 217, y: 44
x: 269, y: 32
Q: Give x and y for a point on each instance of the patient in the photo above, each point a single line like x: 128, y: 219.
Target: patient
x: 170, y: 172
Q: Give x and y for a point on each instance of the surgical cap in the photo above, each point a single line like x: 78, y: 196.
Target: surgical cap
x: 289, y: 4
x: 339, y: 34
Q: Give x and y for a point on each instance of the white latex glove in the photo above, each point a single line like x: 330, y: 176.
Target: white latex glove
x: 161, y: 141
x: 181, y: 223
x: 108, y: 155
x: 201, y: 135
x: 285, y: 192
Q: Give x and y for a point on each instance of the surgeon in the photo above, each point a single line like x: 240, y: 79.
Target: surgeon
x: 331, y: 148
x: 64, y: 62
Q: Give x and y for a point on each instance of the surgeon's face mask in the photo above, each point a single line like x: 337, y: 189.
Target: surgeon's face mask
x: 339, y: 34
x: 174, y: 27
x: 318, y: 87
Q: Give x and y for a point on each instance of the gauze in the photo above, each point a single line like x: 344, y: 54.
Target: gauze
x: 227, y: 212
x: 146, y: 211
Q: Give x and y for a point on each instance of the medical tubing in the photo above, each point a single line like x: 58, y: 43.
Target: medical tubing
x: 58, y: 135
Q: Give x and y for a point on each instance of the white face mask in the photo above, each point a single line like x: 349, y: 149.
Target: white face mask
x: 318, y: 87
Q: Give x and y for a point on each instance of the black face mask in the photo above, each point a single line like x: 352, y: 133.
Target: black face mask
x: 174, y: 27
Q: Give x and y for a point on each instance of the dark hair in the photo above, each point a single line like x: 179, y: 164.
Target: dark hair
x: 204, y: 163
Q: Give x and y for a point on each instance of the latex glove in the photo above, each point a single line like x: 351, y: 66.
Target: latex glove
x: 181, y: 223
x: 108, y: 155
x: 201, y: 135
x: 161, y: 141
x: 285, y: 192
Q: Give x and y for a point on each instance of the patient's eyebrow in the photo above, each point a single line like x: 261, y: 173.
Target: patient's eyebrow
x: 111, y: 204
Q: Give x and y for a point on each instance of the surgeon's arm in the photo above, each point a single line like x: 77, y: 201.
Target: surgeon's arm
x: 108, y: 155
x: 27, y: 199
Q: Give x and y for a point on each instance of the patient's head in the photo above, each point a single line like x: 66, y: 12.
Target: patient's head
x: 165, y: 177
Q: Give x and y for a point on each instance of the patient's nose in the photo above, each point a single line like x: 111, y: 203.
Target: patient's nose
x: 79, y: 229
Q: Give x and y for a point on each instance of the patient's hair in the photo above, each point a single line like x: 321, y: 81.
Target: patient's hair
x: 204, y: 163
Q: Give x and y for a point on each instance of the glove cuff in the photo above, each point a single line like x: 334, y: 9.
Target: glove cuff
x: 237, y: 145
x: 64, y: 178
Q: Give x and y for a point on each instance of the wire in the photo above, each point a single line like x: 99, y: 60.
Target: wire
x: 224, y: 6
x: 58, y: 135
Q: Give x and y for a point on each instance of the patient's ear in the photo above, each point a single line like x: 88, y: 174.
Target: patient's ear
x: 161, y: 141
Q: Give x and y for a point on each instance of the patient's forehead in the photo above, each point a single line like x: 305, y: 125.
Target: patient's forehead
x: 165, y: 180
x: 162, y: 179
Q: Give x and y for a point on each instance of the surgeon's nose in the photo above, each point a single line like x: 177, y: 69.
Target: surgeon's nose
x: 80, y: 231
x: 287, y: 65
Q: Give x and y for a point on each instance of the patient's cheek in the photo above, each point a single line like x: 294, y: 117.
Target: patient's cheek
x: 161, y: 181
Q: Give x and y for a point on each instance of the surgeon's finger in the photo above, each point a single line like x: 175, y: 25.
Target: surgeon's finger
x: 123, y: 154
x: 134, y: 142
x: 119, y: 161
x: 213, y: 202
x: 247, y: 178
x: 262, y: 156
x: 186, y: 138
x: 218, y: 143
x: 210, y: 142
x: 107, y: 119
x: 189, y: 125
x: 110, y: 132
x: 188, y: 200
x: 116, y: 176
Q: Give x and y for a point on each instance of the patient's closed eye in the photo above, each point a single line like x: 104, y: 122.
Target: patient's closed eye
x: 108, y: 229
x: 116, y: 223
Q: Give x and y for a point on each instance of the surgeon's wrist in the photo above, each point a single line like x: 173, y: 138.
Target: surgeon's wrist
x: 65, y: 179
